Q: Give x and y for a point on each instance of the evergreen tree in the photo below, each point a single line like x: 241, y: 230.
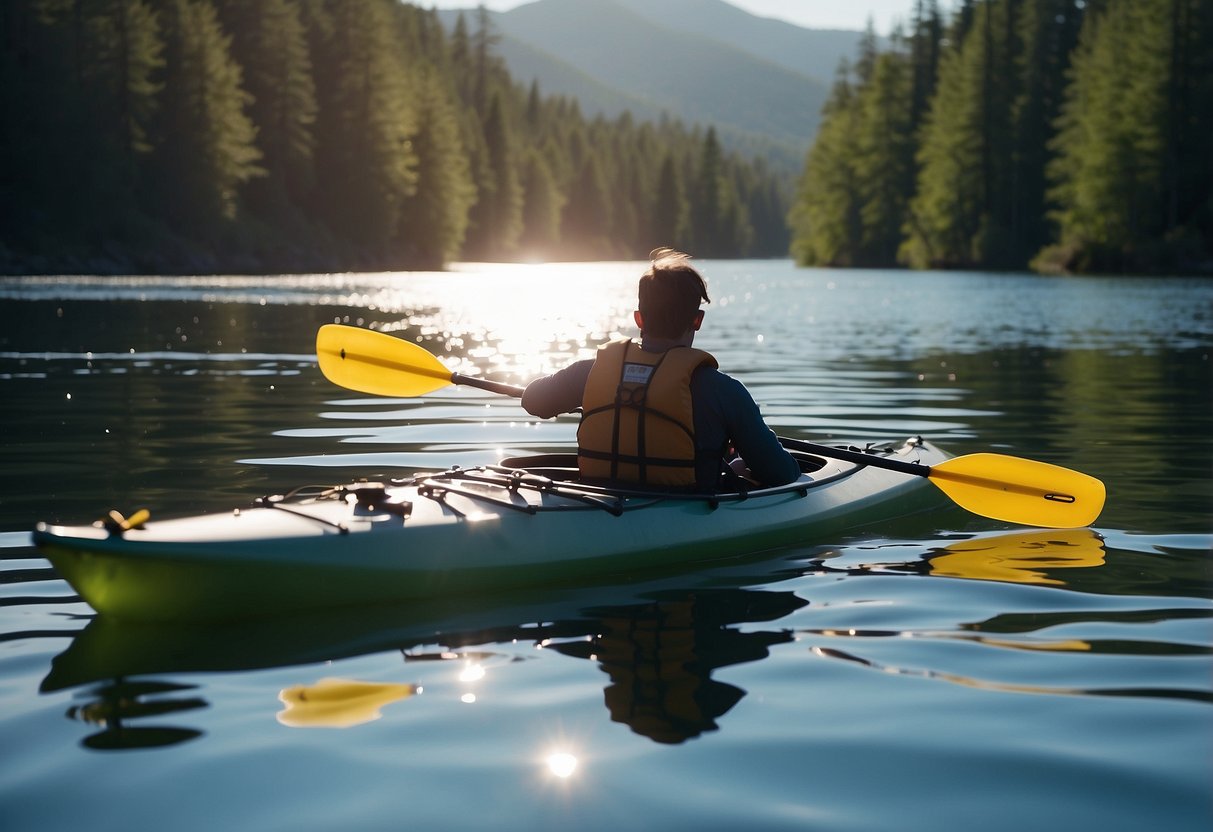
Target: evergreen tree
x: 365, y: 162
x: 270, y: 43
x: 825, y: 217
x: 486, y: 66
x: 542, y: 203
x: 962, y: 22
x: 707, y: 198
x: 497, y: 215
x: 1124, y: 127
x: 951, y: 213
x: 884, y: 158
x: 629, y: 208
x: 767, y: 209
x: 434, y: 216
x: 865, y: 64
x: 670, y: 224
x: 587, y: 214
x: 534, y: 109
x: 124, y: 55
x: 207, y: 141
x: 461, y: 61
x: 925, y: 45
x: 719, y: 223
x: 1048, y: 33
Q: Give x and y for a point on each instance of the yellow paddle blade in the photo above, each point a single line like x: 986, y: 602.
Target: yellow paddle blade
x: 1021, y: 490
x: 375, y: 362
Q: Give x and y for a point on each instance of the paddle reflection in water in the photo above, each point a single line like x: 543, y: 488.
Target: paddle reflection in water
x: 1107, y: 648
x: 1017, y: 557
x: 1021, y: 557
x: 1031, y: 558
x: 339, y: 703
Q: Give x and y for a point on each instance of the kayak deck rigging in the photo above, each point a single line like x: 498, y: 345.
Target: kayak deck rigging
x: 549, y: 474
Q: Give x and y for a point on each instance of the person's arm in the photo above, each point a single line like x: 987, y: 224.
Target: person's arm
x: 558, y: 393
x: 769, y: 462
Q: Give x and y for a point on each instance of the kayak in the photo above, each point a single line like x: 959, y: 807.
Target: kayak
x: 522, y: 522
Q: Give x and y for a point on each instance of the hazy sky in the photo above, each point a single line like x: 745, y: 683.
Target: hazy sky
x: 814, y: 14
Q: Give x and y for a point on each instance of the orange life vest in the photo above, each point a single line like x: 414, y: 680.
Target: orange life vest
x: 637, y: 422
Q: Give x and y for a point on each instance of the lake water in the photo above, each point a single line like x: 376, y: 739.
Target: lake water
x: 945, y: 672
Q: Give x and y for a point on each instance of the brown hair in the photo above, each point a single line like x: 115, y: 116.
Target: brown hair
x: 669, y: 293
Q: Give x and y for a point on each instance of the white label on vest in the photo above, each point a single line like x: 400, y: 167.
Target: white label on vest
x: 637, y: 373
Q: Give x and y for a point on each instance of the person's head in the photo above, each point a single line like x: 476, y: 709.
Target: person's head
x: 669, y: 296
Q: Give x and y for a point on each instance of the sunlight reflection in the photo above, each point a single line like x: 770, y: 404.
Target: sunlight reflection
x: 516, y: 322
x: 472, y: 672
x: 561, y: 764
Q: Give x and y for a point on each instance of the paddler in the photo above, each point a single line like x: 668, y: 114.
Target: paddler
x: 659, y: 412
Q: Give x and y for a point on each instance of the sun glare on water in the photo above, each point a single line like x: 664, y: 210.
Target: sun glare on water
x: 512, y: 321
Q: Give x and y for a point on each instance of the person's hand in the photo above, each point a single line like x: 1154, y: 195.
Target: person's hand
x: 740, y: 468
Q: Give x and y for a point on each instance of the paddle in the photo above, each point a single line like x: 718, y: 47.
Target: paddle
x: 1000, y: 487
x: 996, y: 486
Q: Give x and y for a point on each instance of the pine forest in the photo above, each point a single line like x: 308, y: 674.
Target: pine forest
x: 285, y: 135
x: 266, y: 136
x: 1062, y: 135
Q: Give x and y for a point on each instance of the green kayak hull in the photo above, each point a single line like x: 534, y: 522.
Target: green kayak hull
x: 477, y: 530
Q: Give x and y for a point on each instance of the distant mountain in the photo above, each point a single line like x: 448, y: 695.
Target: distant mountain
x: 760, y: 82
x: 811, y: 52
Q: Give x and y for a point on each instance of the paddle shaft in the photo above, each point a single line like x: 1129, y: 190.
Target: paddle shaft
x: 491, y: 386
x: 919, y: 470
x: 859, y: 458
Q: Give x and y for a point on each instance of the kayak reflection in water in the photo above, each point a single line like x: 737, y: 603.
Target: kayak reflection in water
x: 660, y: 657
x: 659, y: 654
x: 659, y: 412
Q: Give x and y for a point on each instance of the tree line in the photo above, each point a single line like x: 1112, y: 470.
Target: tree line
x: 286, y: 135
x: 1066, y: 135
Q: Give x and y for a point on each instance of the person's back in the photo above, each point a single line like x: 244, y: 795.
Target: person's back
x: 660, y: 413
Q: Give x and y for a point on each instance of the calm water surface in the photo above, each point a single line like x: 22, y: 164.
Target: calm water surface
x: 945, y: 672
